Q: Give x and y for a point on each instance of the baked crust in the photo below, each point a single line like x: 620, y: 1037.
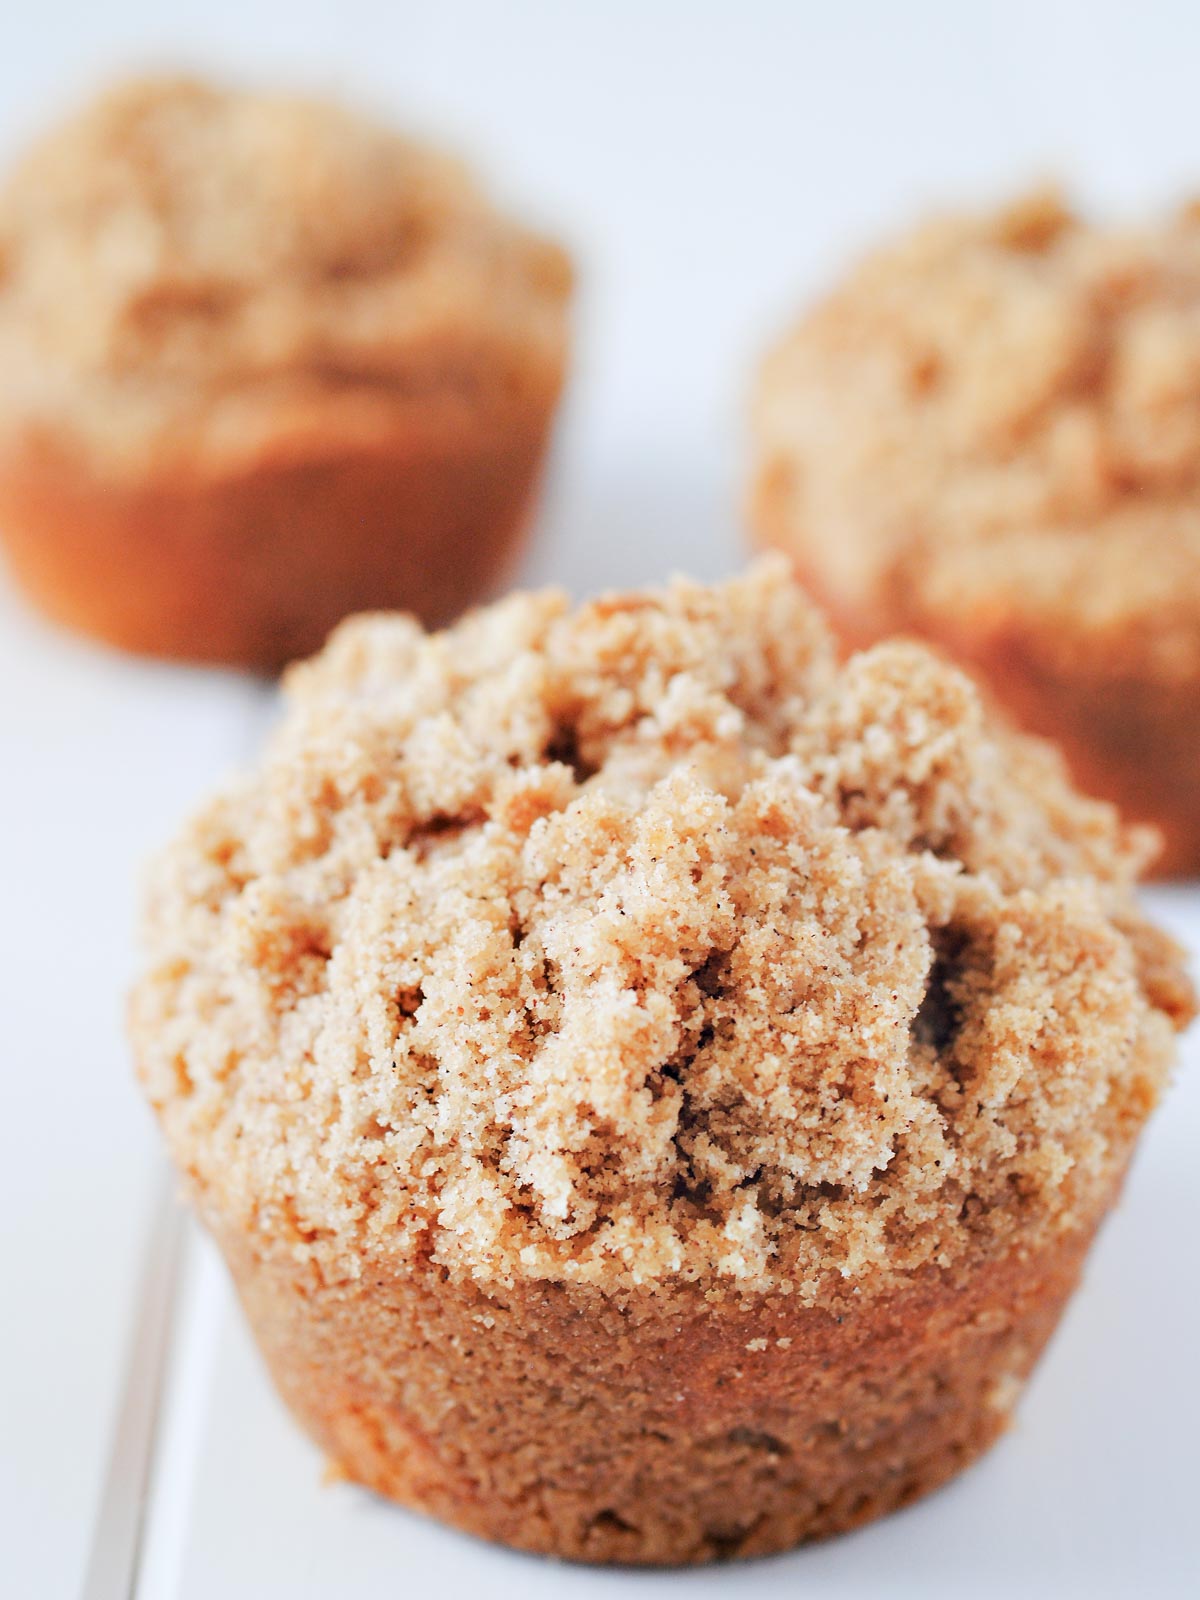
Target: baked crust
x: 644, y: 1430
x: 987, y: 437
x: 264, y: 362
x: 1127, y: 736
x: 574, y: 1000
x: 253, y: 567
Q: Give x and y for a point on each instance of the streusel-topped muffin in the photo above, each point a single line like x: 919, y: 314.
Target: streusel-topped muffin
x: 654, y: 1086
x: 989, y: 435
x: 262, y: 361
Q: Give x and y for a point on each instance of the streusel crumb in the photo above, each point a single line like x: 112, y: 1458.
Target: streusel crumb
x: 646, y: 942
x: 182, y: 256
x: 999, y: 415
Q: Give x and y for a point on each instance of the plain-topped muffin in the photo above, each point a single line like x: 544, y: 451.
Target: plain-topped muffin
x: 654, y: 1085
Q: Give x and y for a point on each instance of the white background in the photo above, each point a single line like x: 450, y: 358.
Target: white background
x: 710, y: 164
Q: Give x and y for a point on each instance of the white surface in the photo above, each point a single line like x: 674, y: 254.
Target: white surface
x: 96, y: 755
x: 709, y: 163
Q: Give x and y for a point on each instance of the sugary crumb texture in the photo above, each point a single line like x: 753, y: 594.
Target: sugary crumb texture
x: 993, y: 424
x: 648, y: 944
x: 186, y: 269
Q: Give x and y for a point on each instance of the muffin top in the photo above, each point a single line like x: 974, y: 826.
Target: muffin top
x: 184, y: 263
x: 995, y: 423
x: 645, y: 944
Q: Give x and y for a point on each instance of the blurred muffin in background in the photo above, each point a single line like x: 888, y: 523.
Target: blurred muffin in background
x: 263, y: 362
x: 989, y: 435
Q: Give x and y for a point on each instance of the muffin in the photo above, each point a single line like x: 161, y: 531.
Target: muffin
x: 263, y: 362
x: 654, y: 1087
x: 989, y: 435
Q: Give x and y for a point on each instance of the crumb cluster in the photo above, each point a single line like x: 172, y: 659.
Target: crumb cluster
x: 647, y: 942
x: 999, y: 416
x: 181, y: 257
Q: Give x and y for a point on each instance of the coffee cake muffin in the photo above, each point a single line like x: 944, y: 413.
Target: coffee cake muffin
x: 989, y: 435
x: 263, y: 362
x: 654, y: 1086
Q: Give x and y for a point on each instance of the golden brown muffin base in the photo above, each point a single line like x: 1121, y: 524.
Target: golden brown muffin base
x: 652, y: 1431
x: 253, y: 567
x: 1127, y: 739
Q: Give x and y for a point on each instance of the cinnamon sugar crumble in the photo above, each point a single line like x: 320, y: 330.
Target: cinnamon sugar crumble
x: 998, y: 416
x: 646, y: 942
x: 180, y: 255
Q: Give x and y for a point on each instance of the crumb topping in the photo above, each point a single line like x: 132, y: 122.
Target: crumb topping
x: 998, y: 417
x: 646, y: 943
x: 180, y: 253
